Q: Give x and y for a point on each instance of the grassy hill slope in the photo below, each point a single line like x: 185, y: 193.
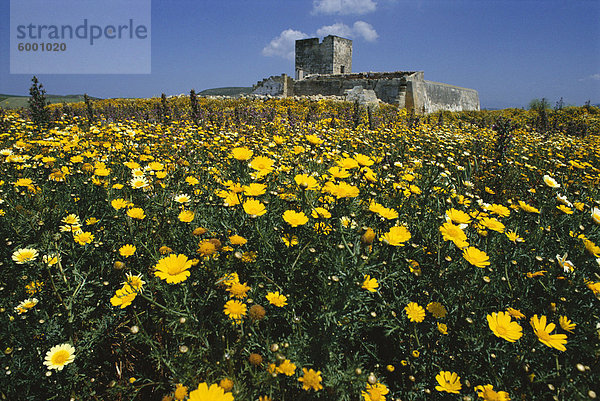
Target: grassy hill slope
x: 226, y: 91
x: 15, y: 102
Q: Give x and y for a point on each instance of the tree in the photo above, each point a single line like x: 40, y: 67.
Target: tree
x: 559, y: 105
x: 89, y: 108
x: 164, y: 109
x: 194, y: 106
x: 539, y: 104
x: 38, y: 105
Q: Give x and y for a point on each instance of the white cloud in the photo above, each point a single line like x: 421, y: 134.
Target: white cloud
x: 284, y: 45
x: 343, y: 7
x: 338, y: 29
x: 360, y: 29
x: 593, y: 77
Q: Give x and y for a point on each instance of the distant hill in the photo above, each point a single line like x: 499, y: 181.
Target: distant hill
x: 15, y: 102
x: 226, y: 91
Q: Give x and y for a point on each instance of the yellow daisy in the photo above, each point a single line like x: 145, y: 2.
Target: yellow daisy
x: 127, y: 250
x: 24, y: 255
x: 542, y: 331
x: 173, y: 268
x: 370, y: 284
x: 59, y: 356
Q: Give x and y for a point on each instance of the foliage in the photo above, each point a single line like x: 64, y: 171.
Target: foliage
x: 195, y: 112
x: 38, y: 106
x: 89, y: 108
x: 539, y: 104
x: 369, y: 283
x: 573, y: 121
x: 165, y: 112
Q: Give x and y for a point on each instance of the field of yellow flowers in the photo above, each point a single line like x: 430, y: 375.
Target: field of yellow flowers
x: 295, y: 250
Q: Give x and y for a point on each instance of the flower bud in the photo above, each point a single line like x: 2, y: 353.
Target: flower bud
x: 226, y: 384
x: 256, y: 312
x: 255, y: 359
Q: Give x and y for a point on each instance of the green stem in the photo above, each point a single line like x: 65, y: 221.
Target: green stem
x: 507, y: 279
x: 56, y: 291
x: 263, y: 239
x: 269, y: 279
x: 59, y: 264
x: 348, y: 249
x: 298, y: 257
x: 416, y: 335
x: 154, y: 345
x: 153, y: 302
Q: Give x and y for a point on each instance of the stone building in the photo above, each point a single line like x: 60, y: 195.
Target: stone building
x: 332, y: 56
x: 325, y: 68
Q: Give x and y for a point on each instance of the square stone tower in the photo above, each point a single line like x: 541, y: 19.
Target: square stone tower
x: 332, y: 56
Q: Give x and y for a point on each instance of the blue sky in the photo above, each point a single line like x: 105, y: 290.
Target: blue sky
x: 510, y: 51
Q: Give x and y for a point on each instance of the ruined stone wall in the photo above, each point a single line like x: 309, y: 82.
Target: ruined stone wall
x: 429, y: 97
x: 402, y: 88
x: 277, y: 85
x: 390, y: 87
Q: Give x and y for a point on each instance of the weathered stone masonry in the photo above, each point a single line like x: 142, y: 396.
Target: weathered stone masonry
x: 281, y: 85
x: 326, y: 69
x: 332, y: 56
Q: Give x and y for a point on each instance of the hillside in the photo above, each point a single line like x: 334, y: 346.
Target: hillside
x: 15, y: 102
x: 226, y: 91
